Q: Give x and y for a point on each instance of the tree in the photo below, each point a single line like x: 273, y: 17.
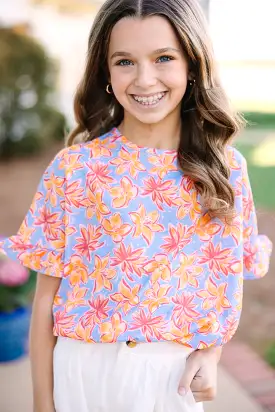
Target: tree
x: 27, y: 81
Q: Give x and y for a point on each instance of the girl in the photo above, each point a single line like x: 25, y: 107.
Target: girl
x: 147, y: 231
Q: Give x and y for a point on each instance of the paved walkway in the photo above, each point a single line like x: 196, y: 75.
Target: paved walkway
x: 15, y: 391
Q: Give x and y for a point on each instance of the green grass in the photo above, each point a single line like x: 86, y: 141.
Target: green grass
x: 262, y: 179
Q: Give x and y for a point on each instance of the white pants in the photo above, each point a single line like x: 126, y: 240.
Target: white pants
x: 116, y: 378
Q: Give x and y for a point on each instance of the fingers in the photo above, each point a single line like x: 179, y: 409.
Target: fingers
x: 205, y: 396
x: 189, y: 373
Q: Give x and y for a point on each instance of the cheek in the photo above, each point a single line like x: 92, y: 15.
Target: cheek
x: 120, y: 81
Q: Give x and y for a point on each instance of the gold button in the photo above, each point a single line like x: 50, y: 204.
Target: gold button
x: 131, y: 344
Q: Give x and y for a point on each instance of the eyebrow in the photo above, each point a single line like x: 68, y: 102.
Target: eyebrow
x: 158, y: 51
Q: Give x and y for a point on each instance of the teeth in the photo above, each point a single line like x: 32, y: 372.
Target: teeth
x: 149, y: 100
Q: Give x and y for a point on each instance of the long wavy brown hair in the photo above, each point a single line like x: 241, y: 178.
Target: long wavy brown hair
x: 209, y: 121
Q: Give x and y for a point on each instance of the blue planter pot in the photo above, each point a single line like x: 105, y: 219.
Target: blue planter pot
x: 14, y: 331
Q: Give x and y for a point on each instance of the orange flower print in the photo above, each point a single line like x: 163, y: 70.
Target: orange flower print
x: 126, y: 297
x: 95, y: 205
x: 188, y: 271
x: 156, y: 297
x: 184, y: 309
x: 76, y: 271
x: 82, y: 332
x: 161, y: 192
x: 230, y: 328
x: 179, y: 333
x: 54, y: 189
x: 219, y: 260
x: 48, y: 221
x: 214, y: 296
x: 131, y: 261
x: 151, y: 327
x: 188, y: 203
x: 98, y: 311
x: 71, y: 163
x: 209, y: 324
x: 239, y: 300
x: 100, y: 148
x: 89, y: 241
x: 25, y: 233
x: 163, y: 164
x: 76, y: 298
x: 58, y: 301
x: 231, y: 159
x: 98, y: 177
x: 123, y: 194
x: 74, y: 196
x: 54, y: 265
x: 110, y: 331
x: 58, y: 241
x: 33, y: 259
x: 159, y: 268
x: 206, y: 228
x: 128, y: 162
x: 36, y: 202
x: 233, y: 229
x: 146, y: 224
x: 63, y: 323
x: 115, y: 228
x: 102, y: 274
x: 180, y: 236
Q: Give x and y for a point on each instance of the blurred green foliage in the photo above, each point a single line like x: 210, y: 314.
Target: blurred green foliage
x: 261, y: 178
x: 27, y: 83
x: 270, y: 355
x: 12, y: 298
x: 260, y: 120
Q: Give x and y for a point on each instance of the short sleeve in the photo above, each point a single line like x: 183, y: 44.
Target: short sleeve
x: 257, y: 248
x: 39, y: 243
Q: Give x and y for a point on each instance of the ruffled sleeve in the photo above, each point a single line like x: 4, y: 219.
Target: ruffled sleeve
x: 40, y: 241
x: 257, y: 248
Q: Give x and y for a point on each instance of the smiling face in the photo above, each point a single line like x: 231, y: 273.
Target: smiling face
x: 148, y: 68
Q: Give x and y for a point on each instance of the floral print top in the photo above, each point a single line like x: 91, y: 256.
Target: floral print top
x: 139, y: 257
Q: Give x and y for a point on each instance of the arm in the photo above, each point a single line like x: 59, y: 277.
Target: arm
x: 42, y: 342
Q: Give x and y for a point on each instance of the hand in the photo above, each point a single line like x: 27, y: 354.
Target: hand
x: 200, y: 374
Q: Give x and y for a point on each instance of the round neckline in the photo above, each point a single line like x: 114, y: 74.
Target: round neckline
x: 131, y: 145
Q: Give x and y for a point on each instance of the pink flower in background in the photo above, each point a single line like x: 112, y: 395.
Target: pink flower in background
x: 12, y: 273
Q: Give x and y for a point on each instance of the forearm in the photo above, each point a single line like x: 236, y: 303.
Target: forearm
x: 42, y: 344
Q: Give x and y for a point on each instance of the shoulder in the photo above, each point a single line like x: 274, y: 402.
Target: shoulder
x: 236, y: 161
x: 85, y: 151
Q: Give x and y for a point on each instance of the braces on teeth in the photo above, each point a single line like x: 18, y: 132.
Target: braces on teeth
x: 149, y: 100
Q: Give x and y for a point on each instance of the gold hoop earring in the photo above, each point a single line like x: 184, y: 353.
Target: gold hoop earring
x: 108, y: 90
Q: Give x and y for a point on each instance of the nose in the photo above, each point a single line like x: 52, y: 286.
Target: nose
x: 145, y: 76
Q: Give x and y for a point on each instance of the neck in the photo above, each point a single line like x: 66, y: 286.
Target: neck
x: 163, y: 135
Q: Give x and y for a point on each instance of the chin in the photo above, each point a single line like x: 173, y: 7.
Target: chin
x: 150, y: 118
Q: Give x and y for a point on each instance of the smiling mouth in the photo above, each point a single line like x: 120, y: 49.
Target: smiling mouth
x: 151, y: 100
